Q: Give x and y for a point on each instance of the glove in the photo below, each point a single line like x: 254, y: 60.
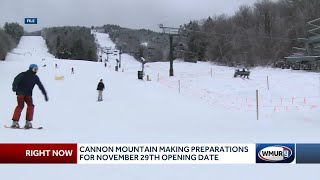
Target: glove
x: 46, y: 98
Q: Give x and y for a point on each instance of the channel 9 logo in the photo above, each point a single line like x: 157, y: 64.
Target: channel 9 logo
x: 275, y: 153
x: 30, y: 20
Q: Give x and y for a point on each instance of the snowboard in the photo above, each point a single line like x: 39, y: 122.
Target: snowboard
x: 6, y: 126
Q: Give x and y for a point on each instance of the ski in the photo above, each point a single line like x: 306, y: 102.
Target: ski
x: 23, y: 128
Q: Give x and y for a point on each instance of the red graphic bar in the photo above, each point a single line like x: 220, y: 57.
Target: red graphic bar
x: 38, y: 153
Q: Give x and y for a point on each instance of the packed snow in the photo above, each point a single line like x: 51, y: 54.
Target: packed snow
x: 202, y: 103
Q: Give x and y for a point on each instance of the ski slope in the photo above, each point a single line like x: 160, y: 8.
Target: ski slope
x: 212, y: 107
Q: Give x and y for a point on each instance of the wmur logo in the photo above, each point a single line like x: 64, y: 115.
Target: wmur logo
x: 275, y: 153
x: 30, y: 21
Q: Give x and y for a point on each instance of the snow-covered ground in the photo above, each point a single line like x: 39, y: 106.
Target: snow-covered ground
x: 212, y: 107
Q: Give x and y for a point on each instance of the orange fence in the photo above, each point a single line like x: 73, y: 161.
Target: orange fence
x: 241, y: 103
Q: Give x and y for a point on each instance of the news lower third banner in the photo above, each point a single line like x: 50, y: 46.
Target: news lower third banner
x: 159, y: 153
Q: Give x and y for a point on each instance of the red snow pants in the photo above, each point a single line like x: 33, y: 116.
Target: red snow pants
x: 30, y: 108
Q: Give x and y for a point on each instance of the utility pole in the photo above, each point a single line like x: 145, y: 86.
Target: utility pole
x: 171, y: 32
x: 106, y: 50
x: 108, y: 55
x: 120, y: 52
x: 171, y: 56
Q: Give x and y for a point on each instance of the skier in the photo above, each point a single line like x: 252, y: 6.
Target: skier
x: 100, y: 88
x: 72, y: 70
x: 23, y: 85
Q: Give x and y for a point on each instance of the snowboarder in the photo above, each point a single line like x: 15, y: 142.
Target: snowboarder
x: 23, y: 85
x: 72, y: 70
x: 100, y: 88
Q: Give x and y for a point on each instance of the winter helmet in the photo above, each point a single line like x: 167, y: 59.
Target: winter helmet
x: 33, y: 67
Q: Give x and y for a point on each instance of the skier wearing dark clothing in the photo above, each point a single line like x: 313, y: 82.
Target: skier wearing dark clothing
x: 100, y: 88
x: 23, y: 85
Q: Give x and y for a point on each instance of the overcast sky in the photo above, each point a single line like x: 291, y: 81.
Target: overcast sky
x: 135, y: 14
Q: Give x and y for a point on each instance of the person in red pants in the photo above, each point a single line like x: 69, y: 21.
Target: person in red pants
x: 23, y: 85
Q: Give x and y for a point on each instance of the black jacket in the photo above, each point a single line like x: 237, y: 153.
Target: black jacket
x: 100, y: 86
x: 24, y: 83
